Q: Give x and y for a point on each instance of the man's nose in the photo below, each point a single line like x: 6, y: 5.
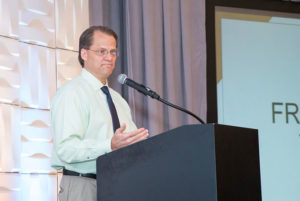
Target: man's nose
x: 108, y: 56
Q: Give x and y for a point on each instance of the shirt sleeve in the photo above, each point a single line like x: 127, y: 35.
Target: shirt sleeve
x: 69, y: 121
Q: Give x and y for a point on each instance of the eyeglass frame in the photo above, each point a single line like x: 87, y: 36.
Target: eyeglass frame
x: 98, y: 52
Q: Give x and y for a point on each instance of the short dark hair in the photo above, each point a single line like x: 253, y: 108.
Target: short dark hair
x: 86, y: 38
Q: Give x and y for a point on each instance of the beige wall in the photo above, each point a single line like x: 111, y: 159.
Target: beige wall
x: 38, y: 53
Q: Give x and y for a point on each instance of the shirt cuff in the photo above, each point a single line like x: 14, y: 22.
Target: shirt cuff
x: 107, y: 145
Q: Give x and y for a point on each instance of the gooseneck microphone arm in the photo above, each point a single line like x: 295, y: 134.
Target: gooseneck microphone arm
x: 122, y: 78
x: 181, y: 109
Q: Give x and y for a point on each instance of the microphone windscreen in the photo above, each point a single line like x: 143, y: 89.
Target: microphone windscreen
x: 122, y: 78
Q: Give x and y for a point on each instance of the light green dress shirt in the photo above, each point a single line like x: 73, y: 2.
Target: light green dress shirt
x: 81, y: 123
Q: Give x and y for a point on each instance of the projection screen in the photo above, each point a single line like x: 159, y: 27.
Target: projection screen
x: 258, y: 81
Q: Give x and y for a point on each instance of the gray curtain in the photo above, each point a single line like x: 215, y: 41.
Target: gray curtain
x: 162, y: 45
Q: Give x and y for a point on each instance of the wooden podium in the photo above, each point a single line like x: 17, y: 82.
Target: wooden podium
x: 191, y: 163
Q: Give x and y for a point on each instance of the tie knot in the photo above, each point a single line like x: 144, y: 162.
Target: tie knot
x: 105, y: 90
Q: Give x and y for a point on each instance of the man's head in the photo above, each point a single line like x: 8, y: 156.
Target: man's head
x: 98, y: 51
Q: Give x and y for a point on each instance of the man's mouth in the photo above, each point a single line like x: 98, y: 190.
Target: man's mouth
x: 109, y: 65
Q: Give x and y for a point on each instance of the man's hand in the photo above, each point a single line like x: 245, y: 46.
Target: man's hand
x: 121, y: 139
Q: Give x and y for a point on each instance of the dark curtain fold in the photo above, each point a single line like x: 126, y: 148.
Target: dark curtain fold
x: 162, y: 45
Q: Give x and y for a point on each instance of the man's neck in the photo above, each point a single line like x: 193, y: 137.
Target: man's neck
x: 102, y: 80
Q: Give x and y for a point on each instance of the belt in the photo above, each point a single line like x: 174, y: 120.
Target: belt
x: 72, y: 173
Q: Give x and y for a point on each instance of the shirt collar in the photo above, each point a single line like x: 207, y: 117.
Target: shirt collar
x: 92, y: 80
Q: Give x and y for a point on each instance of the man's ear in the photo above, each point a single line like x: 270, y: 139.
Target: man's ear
x: 83, y: 53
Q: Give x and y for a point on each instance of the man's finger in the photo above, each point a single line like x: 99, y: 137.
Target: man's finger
x: 144, y: 137
x: 136, y: 137
x: 135, y: 132
x: 121, y: 129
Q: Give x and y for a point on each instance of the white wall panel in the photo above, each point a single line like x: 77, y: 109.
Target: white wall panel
x: 41, y: 187
x: 71, y: 20
x: 67, y: 66
x: 9, y: 18
x: 32, y: 65
x: 37, y: 163
x: 28, y: 187
x: 36, y: 141
x: 36, y: 22
x: 38, y: 76
x: 9, y: 138
x: 9, y: 71
x: 35, y: 125
x: 10, y: 189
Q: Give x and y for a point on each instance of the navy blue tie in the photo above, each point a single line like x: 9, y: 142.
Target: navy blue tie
x: 112, y: 108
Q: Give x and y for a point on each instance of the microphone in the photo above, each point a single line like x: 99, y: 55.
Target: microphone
x: 123, y: 79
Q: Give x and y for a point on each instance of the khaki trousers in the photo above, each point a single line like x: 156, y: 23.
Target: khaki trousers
x: 75, y: 188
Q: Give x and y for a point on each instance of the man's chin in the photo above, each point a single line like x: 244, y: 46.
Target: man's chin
x: 107, y: 65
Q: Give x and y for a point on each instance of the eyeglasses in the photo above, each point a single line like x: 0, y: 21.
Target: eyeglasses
x: 104, y: 52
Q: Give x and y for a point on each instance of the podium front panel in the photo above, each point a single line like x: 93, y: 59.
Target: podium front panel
x: 190, y: 163
x: 177, y: 165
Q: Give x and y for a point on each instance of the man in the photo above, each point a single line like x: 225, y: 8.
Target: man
x: 86, y: 115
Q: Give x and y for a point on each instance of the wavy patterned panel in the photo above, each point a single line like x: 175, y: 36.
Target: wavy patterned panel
x: 9, y: 138
x: 9, y: 18
x: 36, y: 141
x: 9, y: 71
x: 39, y: 187
x: 67, y: 66
x: 38, y: 76
x: 10, y: 187
x: 35, y: 126
x: 28, y: 187
x: 36, y: 157
x: 36, y: 22
x: 72, y: 18
x: 36, y: 162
